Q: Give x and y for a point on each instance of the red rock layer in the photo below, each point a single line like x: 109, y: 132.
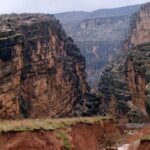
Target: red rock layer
x: 50, y: 71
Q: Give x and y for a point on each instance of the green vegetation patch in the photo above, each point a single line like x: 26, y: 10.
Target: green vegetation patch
x: 9, y: 37
x: 146, y: 138
x: 47, y: 124
x: 63, y: 136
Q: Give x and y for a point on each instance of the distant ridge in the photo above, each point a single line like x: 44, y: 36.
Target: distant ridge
x: 66, y: 17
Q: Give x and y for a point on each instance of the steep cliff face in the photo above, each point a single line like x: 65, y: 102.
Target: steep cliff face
x: 114, y: 90
x: 125, y: 83
x: 138, y: 73
x: 124, y: 86
x: 11, y: 46
x: 137, y: 67
x: 140, y: 28
x: 49, y: 78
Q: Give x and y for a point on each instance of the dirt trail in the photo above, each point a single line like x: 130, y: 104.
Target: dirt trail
x: 133, y: 138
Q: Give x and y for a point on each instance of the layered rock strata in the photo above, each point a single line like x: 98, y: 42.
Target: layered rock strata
x: 43, y: 72
x: 140, y: 27
x: 11, y: 63
x: 124, y: 84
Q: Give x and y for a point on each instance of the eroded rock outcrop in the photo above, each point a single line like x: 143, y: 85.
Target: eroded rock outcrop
x: 43, y: 72
x: 124, y: 84
x: 114, y: 90
x: 140, y: 27
x: 69, y: 134
x: 11, y: 46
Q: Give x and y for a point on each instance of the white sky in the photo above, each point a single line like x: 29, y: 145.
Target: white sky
x: 56, y: 6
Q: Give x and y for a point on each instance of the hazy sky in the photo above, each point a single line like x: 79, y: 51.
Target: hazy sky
x: 55, y: 6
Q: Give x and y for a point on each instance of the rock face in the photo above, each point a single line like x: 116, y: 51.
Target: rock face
x: 140, y: 28
x: 124, y: 84
x: 100, y: 40
x: 137, y: 64
x: 42, y: 71
x: 11, y: 46
x: 99, y: 35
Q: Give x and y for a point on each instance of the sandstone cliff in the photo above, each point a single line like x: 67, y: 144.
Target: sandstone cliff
x: 11, y: 46
x: 140, y: 26
x: 124, y: 85
x: 42, y: 71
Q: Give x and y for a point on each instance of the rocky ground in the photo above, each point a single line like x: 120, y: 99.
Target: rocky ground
x: 57, y: 134
x: 88, y: 133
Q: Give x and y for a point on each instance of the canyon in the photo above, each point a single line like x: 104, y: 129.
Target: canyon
x: 44, y: 94
x: 99, y: 34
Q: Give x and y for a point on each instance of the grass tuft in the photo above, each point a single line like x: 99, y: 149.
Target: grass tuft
x: 146, y: 138
x: 63, y: 136
x: 47, y: 124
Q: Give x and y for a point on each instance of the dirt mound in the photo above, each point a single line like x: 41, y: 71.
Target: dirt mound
x: 58, y: 134
x: 36, y: 140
